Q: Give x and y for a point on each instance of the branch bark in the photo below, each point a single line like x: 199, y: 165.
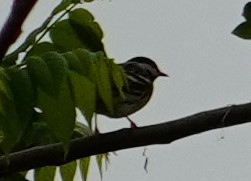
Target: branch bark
x: 164, y: 133
x: 12, y: 27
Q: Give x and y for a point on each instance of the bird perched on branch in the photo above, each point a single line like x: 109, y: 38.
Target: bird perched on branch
x: 140, y: 73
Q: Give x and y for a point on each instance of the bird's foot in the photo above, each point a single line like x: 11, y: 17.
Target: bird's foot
x: 133, y: 125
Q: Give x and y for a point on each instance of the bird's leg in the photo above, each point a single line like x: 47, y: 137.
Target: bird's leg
x: 133, y: 125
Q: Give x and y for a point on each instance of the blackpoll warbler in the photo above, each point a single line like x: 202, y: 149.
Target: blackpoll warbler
x: 141, y: 73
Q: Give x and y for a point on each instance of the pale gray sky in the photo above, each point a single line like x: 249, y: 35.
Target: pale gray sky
x: 208, y: 68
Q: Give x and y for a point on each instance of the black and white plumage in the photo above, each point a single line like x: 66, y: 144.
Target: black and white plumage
x: 141, y: 73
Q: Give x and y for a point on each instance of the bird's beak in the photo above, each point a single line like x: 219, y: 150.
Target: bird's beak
x: 163, y: 74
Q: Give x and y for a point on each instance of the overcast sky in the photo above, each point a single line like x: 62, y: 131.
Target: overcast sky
x: 208, y: 68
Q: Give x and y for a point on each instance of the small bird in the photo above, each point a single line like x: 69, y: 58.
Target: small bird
x: 141, y: 73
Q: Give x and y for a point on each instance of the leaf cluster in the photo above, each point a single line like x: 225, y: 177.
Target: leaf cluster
x: 40, y: 93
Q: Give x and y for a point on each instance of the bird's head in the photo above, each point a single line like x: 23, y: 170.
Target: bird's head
x: 143, y: 68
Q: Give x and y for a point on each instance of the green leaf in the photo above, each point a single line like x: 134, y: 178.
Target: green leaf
x: 84, y: 18
x: 24, y: 96
x: 31, y: 38
x: 54, y: 96
x: 5, y: 90
x: 64, y: 5
x: 45, y: 173
x: 85, y: 58
x: 84, y: 164
x: 75, y: 64
x: 102, y: 79
x: 119, y: 78
x: 10, y: 126
x: 40, y: 74
x: 48, y: 72
x: 65, y: 37
x: 243, y: 30
x: 247, y: 11
x: 59, y: 113
x: 99, y: 159
x: 4, y: 83
x: 58, y: 69
x: 81, y: 130
x: 10, y: 59
x: 41, y: 48
x: 84, y: 93
x: 39, y: 133
x: 68, y: 170
x: 87, y: 30
x: 79, y: 31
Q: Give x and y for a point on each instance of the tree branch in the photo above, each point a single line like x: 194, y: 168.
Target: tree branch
x: 127, y: 138
x: 12, y: 27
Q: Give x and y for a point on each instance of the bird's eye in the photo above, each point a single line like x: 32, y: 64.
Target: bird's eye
x: 132, y: 68
x: 148, y: 73
x: 137, y: 70
x: 129, y: 66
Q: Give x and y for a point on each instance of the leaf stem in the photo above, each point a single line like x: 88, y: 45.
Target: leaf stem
x: 50, y: 26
